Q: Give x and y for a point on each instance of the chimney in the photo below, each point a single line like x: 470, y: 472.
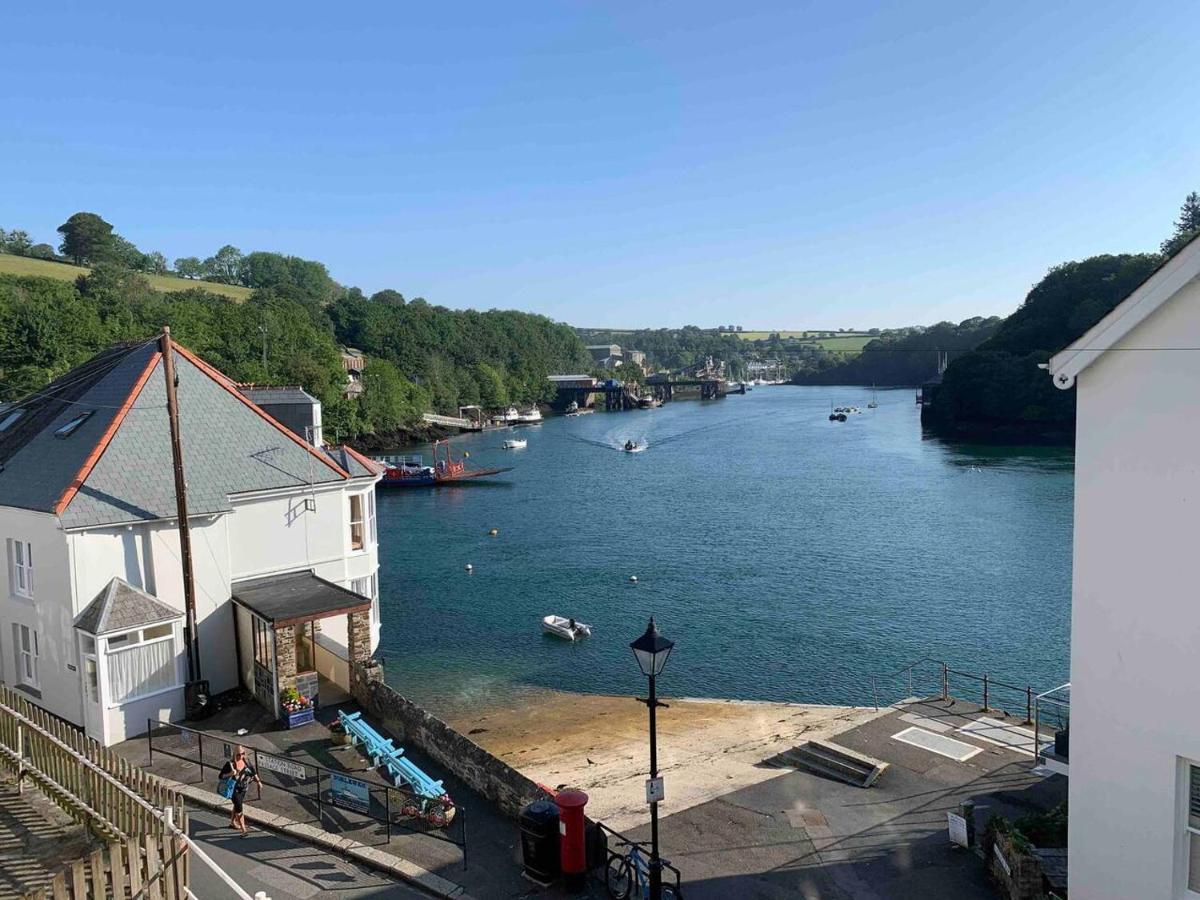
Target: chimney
x: 292, y: 407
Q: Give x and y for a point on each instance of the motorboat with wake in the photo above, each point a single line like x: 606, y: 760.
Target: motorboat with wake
x: 564, y: 627
x: 515, y: 444
x: 632, y: 446
x: 411, y: 471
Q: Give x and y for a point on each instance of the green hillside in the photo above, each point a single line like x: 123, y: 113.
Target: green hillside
x: 25, y: 265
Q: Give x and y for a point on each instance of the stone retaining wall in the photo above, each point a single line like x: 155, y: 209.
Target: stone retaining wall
x: 494, y: 779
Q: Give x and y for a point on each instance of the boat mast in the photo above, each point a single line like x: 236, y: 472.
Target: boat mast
x: 190, y: 638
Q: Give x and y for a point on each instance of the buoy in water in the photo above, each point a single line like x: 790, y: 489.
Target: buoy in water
x: 633, y: 579
x: 469, y: 567
x: 494, y: 532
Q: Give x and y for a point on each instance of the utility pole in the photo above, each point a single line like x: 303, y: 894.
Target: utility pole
x: 185, y: 536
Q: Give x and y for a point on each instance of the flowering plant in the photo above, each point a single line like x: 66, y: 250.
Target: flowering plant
x: 293, y: 701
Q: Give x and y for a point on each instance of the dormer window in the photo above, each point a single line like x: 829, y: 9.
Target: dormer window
x: 69, y: 428
x: 11, y: 419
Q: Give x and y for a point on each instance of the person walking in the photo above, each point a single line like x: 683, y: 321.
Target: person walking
x: 242, y: 773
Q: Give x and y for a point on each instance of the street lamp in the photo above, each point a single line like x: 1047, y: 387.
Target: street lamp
x: 651, y: 651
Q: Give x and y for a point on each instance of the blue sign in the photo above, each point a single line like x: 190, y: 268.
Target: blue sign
x: 350, y: 792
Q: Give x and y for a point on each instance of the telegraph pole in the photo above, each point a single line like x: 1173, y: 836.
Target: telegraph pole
x: 191, y: 639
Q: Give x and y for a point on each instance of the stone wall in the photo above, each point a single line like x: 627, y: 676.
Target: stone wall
x: 1018, y: 874
x: 285, y: 657
x: 494, y: 779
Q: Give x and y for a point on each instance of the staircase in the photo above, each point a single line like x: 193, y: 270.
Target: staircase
x: 834, y: 761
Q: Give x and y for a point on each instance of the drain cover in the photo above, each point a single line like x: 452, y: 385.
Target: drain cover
x: 937, y: 743
x: 997, y: 732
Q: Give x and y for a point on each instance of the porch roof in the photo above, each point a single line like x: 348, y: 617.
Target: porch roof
x: 297, y: 597
x: 121, y: 607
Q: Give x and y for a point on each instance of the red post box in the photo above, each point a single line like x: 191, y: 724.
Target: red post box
x: 573, y: 843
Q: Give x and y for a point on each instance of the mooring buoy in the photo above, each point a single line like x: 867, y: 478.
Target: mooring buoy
x: 494, y: 532
x: 633, y: 579
x: 470, y: 568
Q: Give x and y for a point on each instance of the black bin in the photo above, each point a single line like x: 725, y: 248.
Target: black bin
x: 539, y: 842
x: 1062, y: 743
x: 197, y: 703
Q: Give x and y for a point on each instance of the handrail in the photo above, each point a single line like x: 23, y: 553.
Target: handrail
x: 164, y: 815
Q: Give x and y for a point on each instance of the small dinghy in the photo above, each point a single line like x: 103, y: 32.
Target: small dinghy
x: 516, y: 444
x: 633, y: 447
x: 565, y: 628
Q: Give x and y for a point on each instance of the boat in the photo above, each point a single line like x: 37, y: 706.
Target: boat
x: 572, y: 407
x: 874, y: 404
x: 633, y: 447
x: 585, y: 411
x: 411, y: 471
x: 515, y: 444
x: 565, y: 628
x: 508, y: 417
x: 532, y: 416
x: 649, y: 403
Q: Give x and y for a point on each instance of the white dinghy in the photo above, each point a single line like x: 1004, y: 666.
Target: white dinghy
x: 516, y: 444
x: 565, y: 628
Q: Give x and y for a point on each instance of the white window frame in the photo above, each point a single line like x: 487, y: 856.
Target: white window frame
x: 1187, y: 830
x: 372, y: 527
x: 26, y: 659
x: 361, y: 522
x: 372, y: 591
x: 140, y: 641
x: 20, y: 577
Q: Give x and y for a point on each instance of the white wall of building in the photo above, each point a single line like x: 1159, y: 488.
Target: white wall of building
x: 50, y: 612
x: 1135, y: 662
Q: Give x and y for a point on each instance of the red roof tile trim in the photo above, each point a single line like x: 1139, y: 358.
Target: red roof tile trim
x: 94, y: 457
x: 371, y: 465
x: 230, y: 386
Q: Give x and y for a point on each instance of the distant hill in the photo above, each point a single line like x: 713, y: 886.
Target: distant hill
x: 906, y: 357
x: 45, y: 268
x: 997, y: 390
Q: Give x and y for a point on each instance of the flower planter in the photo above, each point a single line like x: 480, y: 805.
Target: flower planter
x: 295, y: 719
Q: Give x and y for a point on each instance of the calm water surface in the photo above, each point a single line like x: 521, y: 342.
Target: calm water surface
x: 788, y: 557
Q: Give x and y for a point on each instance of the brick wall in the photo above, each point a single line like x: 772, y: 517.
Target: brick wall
x: 411, y: 725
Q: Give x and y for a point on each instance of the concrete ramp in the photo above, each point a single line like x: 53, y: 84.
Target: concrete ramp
x: 834, y: 761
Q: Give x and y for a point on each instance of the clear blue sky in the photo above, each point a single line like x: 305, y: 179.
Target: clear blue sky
x: 777, y: 165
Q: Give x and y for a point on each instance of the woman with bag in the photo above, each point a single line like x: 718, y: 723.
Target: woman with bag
x: 236, y: 775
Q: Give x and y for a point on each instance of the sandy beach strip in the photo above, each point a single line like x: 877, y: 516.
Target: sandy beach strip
x: 600, y: 744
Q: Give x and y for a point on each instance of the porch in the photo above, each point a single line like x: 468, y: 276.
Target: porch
x: 297, y: 638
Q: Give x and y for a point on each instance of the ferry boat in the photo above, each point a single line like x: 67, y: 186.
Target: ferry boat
x: 411, y: 471
x: 531, y: 416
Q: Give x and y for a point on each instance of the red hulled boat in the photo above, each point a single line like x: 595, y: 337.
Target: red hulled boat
x: 411, y: 471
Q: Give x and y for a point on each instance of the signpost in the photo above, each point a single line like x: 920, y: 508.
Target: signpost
x: 282, y: 766
x: 958, y: 829
x: 654, y: 790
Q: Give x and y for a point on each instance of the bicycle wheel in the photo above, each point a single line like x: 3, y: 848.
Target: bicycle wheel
x: 669, y: 893
x: 618, y: 878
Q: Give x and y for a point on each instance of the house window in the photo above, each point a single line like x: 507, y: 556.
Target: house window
x: 356, y: 521
x: 1192, y: 829
x: 20, y: 568
x: 262, y: 642
x: 25, y: 645
x: 368, y: 587
x: 371, y: 530
x: 11, y: 419
x: 69, y: 428
x: 142, y: 662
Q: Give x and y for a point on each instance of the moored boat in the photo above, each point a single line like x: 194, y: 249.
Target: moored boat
x: 562, y: 627
x: 515, y: 444
x: 411, y: 471
x: 531, y: 416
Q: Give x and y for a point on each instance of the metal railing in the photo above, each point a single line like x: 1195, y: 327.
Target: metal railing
x: 939, y: 679
x: 616, y: 839
x: 1052, y: 709
x: 322, y: 788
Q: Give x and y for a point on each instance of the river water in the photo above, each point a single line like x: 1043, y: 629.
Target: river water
x: 789, y: 558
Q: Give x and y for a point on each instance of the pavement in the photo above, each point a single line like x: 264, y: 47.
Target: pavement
x: 36, y: 837
x: 802, y: 835
x: 283, y: 867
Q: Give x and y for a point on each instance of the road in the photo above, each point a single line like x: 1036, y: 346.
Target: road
x: 285, y: 868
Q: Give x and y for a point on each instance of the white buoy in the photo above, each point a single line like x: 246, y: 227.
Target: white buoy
x: 633, y: 579
x: 470, y: 568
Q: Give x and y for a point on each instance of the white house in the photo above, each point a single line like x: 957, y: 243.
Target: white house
x: 1135, y: 627
x: 283, y: 540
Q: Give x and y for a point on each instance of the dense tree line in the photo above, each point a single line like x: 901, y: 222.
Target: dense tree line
x: 907, y: 356
x: 675, y: 348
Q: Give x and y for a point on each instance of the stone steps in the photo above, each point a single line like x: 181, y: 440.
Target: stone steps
x: 832, y: 760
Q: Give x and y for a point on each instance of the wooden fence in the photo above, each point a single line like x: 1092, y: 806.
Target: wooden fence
x: 140, y: 819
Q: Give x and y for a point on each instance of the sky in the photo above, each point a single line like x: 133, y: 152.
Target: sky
x: 617, y: 164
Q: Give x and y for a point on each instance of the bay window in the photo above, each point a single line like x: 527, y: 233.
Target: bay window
x: 142, y: 662
x: 356, y: 522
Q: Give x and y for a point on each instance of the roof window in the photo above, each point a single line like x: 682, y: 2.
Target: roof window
x: 69, y: 428
x: 11, y: 419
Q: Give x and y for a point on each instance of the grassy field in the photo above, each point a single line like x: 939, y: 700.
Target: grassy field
x: 844, y: 343
x: 24, y: 265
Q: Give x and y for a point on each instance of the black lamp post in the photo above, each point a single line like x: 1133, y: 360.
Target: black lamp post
x: 651, y: 651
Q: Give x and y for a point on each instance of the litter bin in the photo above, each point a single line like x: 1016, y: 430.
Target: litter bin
x: 539, y: 842
x: 197, y: 703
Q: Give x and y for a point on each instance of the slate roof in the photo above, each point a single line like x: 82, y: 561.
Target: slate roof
x: 297, y: 597
x: 355, y: 463
x: 263, y: 394
x: 120, y: 607
x: 116, y: 467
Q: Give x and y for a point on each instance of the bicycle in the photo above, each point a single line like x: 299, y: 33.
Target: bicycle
x: 625, y: 873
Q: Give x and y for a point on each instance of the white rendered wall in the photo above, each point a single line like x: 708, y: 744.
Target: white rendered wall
x: 50, y: 613
x: 1135, y: 631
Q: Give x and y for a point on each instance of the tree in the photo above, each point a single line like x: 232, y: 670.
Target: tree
x: 124, y: 253
x: 154, y: 263
x: 388, y: 296
x: 225, y: 266
x: 86, y: 238
x: 1187, y: 226
x: 41, y: 251
x: 17, y: 243
x: 189, y: 267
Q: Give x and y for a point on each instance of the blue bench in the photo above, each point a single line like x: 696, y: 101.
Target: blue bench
x: 382, y: 752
